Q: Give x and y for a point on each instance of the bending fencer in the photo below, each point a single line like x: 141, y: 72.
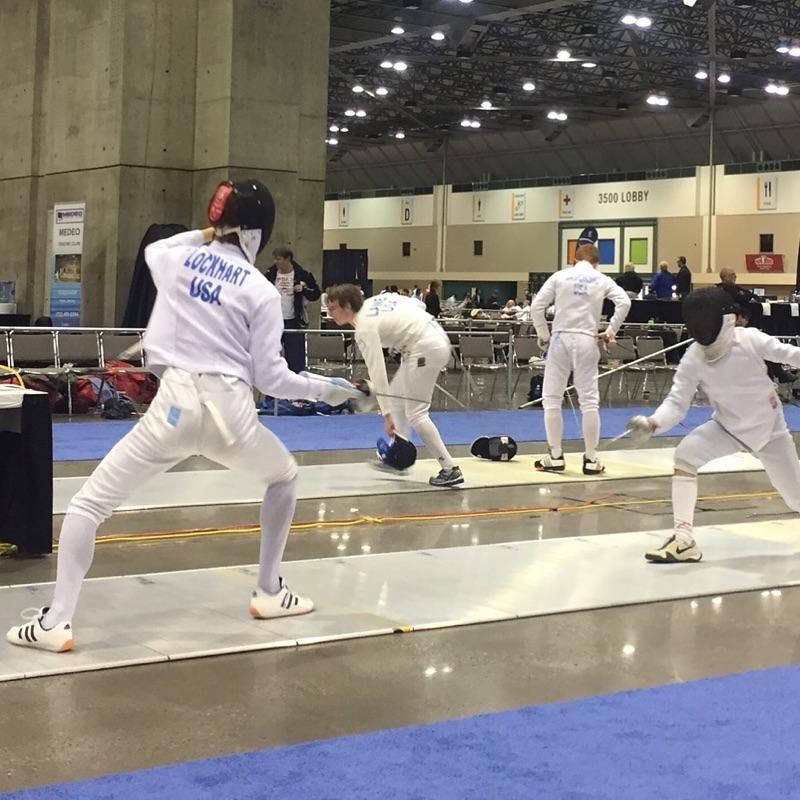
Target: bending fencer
x: 727, y: 362
x: 215, y: 332
x: 400, y: 323
x: 578, y: 294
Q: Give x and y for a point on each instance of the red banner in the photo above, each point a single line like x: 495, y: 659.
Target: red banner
x: 764, y: 262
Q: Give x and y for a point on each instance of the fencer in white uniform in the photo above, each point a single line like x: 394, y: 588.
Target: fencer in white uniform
x: 400, y: 323
x: 578, y: 294
x: 214, y: 333
x: 727, y: 363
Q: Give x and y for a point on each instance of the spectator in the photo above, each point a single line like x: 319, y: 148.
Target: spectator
x: 630, y: 281
x: 296, y: 287
x: 662, y: 284
x: 432, y: 303
x: 742, y: 297
x: 510, y: 310
x: 494, y: 301
x: 683, y: 280
x: 416, y: 293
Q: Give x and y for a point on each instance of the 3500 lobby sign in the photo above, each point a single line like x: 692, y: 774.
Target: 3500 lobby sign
x: 630, y: 196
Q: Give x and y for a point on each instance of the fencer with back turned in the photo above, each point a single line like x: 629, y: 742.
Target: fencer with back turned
x: 578, y: 293
x: 214, y: 334
x: 727, y: 363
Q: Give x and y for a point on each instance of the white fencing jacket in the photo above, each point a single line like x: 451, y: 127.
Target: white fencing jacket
x: 743, y: 397
x: 578, y: 294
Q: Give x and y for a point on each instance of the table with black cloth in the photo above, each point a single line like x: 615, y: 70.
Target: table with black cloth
x: 26, y: 472
x: 779, y: 322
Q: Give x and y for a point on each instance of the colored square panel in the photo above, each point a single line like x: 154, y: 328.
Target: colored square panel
x: 572, y: 246
x: 608, y: 251
x: 639, y: 251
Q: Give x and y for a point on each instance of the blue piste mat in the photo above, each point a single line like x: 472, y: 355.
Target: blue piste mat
x: 90, y: 441
x: 732, y: 738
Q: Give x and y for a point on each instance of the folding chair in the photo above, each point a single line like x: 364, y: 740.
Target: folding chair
x: 648, y: 347
x: 525, y: 349
x: 327, y: 352
x: 477, y: 354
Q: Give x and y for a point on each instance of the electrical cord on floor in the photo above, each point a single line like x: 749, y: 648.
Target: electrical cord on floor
x: 602, y: 502
x: 7, y: 550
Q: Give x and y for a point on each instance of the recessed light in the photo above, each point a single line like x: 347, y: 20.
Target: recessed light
x: 782, y: 91
x: 562, y: 117
x: 334, y: 129
x: 486, y: 104
x: 400, y: 66
x: 387, y: 64
x: 333, y: 142
x: 644, y: 22
x: 701, y: 75
x: 382, y: 91
x: 361, y: 113
x: 629, y: 19
x: 771, y: 88
x: 563, y: 55
x: 724, y: 78
x: 529, y: 86
x: 552, y: 115
x: 588, y: 65
x: 358, y: 88
x: 349, y: 113
x: 783, y: 49
x: 399, y: 135
x: 437, y: 36
x: 474, y: 124
x: 465, y: 123
x: 344, y: 130
x: 398, y: 30
x: 794, y: 51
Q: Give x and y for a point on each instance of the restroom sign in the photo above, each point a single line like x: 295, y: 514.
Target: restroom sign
x: 767, y: 188
x: 406, y: 210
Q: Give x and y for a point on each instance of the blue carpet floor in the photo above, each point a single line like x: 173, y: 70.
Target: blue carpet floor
x: 732, y: 738
x: 85, y: 441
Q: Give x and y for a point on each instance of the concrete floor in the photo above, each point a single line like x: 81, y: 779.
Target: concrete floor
x: 91, y: 724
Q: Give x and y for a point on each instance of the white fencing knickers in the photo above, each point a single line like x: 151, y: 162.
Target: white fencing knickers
x: 209, y: 415
x: 779, y: 455
x: 579, y: 354
x: 415, y: 378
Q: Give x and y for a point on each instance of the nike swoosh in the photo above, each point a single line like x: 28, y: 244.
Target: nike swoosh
x: 680, y: 552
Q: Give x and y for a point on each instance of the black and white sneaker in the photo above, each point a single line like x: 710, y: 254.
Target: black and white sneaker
x: 592, y: 466
x: 675, y: 551
x: 57, y: 639
x: 282, y: 604
x: 447, y: 477
x: 550, y: 464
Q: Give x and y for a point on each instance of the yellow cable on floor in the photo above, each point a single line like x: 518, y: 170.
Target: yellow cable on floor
x: 195, y: 533
x: 14, y: 373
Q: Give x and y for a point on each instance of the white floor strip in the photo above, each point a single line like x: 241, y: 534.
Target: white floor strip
x: 221, y: 487
x: 142, y: 619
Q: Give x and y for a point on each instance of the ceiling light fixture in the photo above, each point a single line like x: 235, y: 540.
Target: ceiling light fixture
x: 386, y: 64
x: 634, y: 20
x: 783, y: 49
x: 381, y: 91
x: 657, y: 100
x: 465, y: 123
x: 400, y: 66
x: 690, y: 3
x: 358, y: 88
x: 724, y: 77
x: 344, y: 130
x: 563, y: 55
x: 438, y: 36
x: 399, y: 135
x: 588, y: 65
x: 398, y: 30
x: 361, y: 113
x: 629, y: 19
x: 794, y: 51
x: 557, y: 116
x: 334, y: 129
x: 644, y: 22
x: 486, y: 104
x: 475, y: 124
x: 333, y: 142
x: 349, y: 113
x: 701, y: 75
x: 529, y: 86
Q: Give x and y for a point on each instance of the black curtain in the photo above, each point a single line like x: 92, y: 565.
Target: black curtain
x: 142, y: 293
x: 345, y: 266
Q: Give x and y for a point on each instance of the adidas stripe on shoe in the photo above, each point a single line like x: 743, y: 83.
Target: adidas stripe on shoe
x: 31, y: 634
x: 283, y: 604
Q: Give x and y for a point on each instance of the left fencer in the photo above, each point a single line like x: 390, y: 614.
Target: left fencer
x: 214, y: 333
x: 578, y: 294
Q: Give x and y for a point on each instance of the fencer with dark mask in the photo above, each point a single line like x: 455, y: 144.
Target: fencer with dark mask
x: 727, y: 363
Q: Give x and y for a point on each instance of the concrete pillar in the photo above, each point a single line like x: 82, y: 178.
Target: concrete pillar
x: 139, y: 108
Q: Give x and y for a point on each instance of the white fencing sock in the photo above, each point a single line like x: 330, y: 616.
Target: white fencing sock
x: 277, y: 512
x: 684, y: 499
x: 591, y: 432
x: 432, y: 440
x: 75, y: 554
x: 554, y: 426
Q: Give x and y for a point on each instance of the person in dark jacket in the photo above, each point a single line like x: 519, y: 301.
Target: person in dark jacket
x: 629, y: 281
x: 683, y: 280
x: 296, y: 287
x: 432, y: 303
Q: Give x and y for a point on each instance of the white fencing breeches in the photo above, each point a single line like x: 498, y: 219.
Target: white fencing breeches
x: 578, y: 354
x: 415, y: 379
x: 779, y: 456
